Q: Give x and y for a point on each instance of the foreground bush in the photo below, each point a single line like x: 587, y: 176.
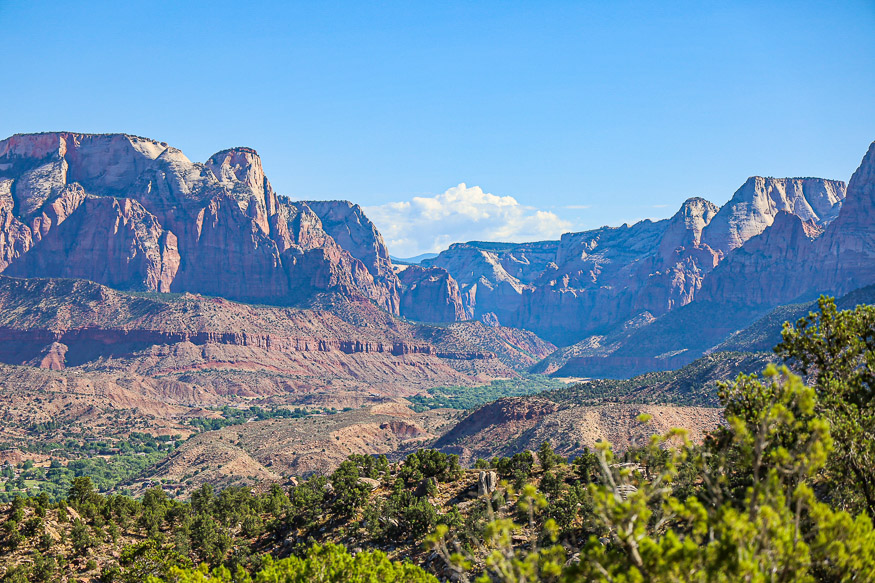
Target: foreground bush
x: 322, y: 564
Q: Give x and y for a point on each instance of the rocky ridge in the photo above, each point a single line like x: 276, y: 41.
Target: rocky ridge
x: 430, y: 294
x: 340, y: 349
x: 592, y: 281
x: 134, y: 213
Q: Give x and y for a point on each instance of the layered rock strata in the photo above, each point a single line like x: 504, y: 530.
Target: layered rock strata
x: 135, y: 213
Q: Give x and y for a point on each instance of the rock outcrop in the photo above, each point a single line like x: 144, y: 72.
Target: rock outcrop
x: 844, y: 256
x: 766, y: 269
x: 798, y: 259
x: 429, y: 294
x: 790, y: 263
x: 135, y: 213
x: 607, y: 276
x: 755, y: 205
x: 353, y: 231
x: 492, y: 276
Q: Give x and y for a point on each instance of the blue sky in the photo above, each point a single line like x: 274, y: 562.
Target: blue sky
x: 589, y: 113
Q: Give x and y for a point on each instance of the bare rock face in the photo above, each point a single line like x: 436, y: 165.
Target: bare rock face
x: 135, y: 213
x: 755, y: 205
x: 684, y: 229
x: 114, y: 241
x: 607, y: 276
x: 598, y: 279
x: 845, y: 254
x: 351, y: 229
x: 492, y: 276
x: 797, y: 258
x: 487, y: 482
x: 765, y: 270
x: 51, y: 357
x: 239, y: 169
x: 430, y: 294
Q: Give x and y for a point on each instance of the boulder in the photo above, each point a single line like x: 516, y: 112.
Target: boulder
x: 487, y: 482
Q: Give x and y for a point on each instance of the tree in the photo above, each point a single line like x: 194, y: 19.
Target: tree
x: 307, y: 501
x: 81, y: 538
x: 148, y: 559
x: 322, y: 564
x: 548, y: 458
x: 208, y: 539
x: 429, y: 463
x: 82, y: 491
x: 505, y: 561
x: 43, y: 567
x: 349, y: 492
x: 518, y: 468
x: 837, y: 349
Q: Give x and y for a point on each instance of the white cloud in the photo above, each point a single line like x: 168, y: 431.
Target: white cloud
x: 431, y: 224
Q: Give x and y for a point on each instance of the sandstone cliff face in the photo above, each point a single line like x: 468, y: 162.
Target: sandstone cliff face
x: 798, y: 258
x: 766, y: 270
x: 135, y: 213
x: 607, y: 276
x: 792, y: 260
x: 492, y: 276
x: 429, y: 294
x: 353, y: 231
x: 594, y: 281
x: 755, y: 205
x: 114, y: 241
x: 845, y: 255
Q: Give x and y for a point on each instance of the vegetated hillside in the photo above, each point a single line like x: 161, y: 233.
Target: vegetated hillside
x: 467, y: 398
x: 368, y: 504
x: 645, y: 344
x: 692, y: 385
x: 337, y: 347
x: 577, y: 416
x: 111, y: 427
x: 39, y: 403
x: 515, y: 424
x: 765, y: 333
x: 274, y: 451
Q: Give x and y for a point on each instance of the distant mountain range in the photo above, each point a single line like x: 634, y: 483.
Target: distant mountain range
x: 415, y: 260
x: 136, y: 215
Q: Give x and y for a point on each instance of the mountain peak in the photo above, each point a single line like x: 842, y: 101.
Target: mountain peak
x: 754, y: 206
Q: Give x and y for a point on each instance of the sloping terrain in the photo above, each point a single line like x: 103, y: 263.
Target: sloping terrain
x: 272, y: 451
x: 41, y: 404
x: 765, y: 333
x: 581, y: 414
x: 338, y: 347
x: 692, y: 385
x: 511, y: 425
